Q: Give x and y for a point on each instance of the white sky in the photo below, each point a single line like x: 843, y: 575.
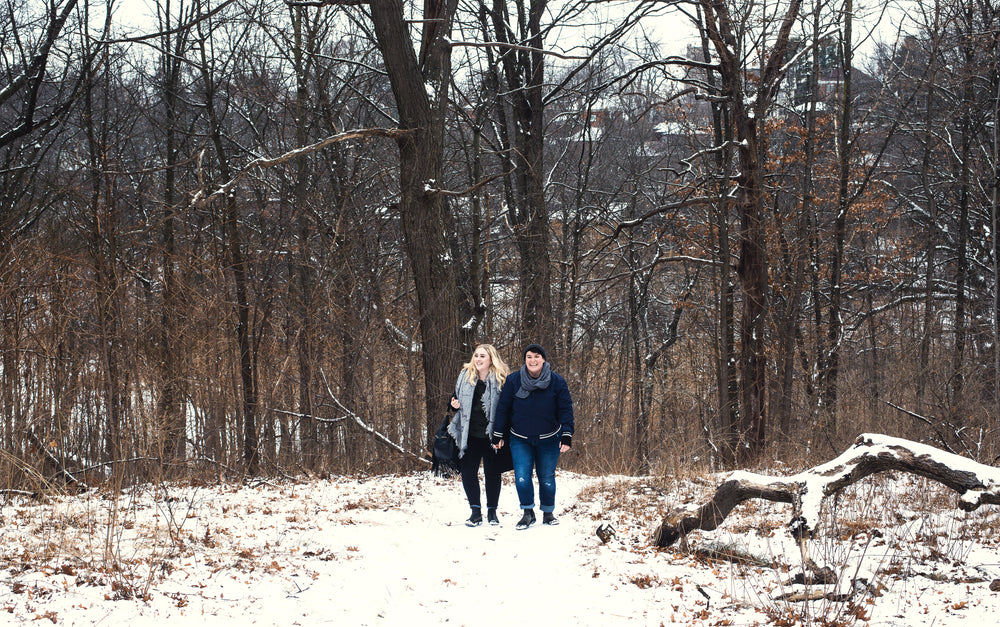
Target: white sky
x: 673, y: 28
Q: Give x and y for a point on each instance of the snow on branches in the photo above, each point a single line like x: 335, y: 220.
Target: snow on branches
x: 976, y: 484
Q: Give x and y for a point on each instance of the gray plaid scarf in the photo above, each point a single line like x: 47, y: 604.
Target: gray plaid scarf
x: 528, y: 384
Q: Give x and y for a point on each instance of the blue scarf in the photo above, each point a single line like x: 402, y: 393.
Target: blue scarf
x: 528, y: 385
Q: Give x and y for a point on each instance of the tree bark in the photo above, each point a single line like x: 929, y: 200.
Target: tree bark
x: 727, y: 382
x: 956, y: 380
x: 302, y: 270
x: 752, y: 265
x: 169, y: 404
x: 424, y: 212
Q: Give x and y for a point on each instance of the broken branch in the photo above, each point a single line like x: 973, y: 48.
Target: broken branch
x: 976, y: 484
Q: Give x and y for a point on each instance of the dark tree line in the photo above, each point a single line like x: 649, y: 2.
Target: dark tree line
x: 261, y: 236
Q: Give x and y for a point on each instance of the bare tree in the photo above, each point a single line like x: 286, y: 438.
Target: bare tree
x: 746, y: 111
x: 420, y: 80
x: 234, y: 256
x: 28, y: 92
x: 174, y: 46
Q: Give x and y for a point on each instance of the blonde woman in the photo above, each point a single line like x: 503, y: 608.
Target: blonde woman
x: 477, y: 392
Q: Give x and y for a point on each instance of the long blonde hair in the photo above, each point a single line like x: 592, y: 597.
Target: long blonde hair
x: 499, y: 369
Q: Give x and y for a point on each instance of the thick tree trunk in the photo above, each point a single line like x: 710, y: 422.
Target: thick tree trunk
x: 752, y: 270
x: 423, y: 212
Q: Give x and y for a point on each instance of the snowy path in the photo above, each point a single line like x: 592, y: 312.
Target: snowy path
x: 393, y: 551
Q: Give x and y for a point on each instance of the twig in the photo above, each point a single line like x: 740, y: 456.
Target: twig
x: 115, y: 461
x: 309, y: 416
x: 940, y: 435
x: 500, y: 44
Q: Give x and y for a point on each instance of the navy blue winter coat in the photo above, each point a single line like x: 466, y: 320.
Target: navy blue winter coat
x: 544, y: 413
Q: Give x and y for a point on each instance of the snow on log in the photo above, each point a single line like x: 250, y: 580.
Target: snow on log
x: 976, y: 484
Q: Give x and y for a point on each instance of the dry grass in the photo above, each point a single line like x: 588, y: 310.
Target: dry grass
x: 905, y: 526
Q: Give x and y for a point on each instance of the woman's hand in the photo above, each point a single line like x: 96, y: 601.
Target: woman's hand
x: 454, y: 403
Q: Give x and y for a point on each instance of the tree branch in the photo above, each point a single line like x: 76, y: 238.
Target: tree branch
x: 501, y: 44
x: 977, y: 485
x: 368, y: 428
x: 202, y: 198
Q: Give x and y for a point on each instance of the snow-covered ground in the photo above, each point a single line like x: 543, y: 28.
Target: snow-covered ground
x: 393, y: 550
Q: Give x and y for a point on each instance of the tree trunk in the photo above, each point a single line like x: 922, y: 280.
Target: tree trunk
x: 169, y: 406
x: 726, y: 382
x: 104, y: 254
x: 302, y: 287
x: 831, y: 373
x: 796, y: 256
x: 524, y: 74
x: 930, y: 111
x: 956, y: 387
x: 423, y: 212
x: 752, y: 265
x: 235, y: 260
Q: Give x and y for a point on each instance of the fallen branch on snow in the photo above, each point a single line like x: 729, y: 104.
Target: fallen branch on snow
x: 977, y: 484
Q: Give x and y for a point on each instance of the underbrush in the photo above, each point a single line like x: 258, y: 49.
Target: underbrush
x: 888, y: 532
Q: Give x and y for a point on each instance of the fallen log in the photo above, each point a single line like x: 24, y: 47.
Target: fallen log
x: 977, y: 484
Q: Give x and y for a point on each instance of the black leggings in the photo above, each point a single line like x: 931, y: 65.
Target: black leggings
x: 479, y: 449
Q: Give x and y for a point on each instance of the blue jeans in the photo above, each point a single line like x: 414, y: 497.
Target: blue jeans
x: 541, y: 456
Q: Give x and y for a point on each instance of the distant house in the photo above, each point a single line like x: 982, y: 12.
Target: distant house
x: 799, y: 90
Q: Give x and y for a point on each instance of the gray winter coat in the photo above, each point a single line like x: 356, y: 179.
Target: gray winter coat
x: 459, y: 426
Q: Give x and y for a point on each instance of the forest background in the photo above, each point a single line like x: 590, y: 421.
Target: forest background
x: 261, y: 236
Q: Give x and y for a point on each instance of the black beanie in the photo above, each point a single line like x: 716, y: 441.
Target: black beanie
x: 535, y: 348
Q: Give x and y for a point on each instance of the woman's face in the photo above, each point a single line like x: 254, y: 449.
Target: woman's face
x: 534, y: 363
x: 481, y: 359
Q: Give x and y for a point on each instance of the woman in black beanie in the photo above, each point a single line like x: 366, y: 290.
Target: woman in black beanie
x: 535, y: 416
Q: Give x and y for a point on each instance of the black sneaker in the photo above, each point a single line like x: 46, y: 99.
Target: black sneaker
x: 527, y: 519
x: 475, y: 519
x: 549, y: 519
x: 491, y: 517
